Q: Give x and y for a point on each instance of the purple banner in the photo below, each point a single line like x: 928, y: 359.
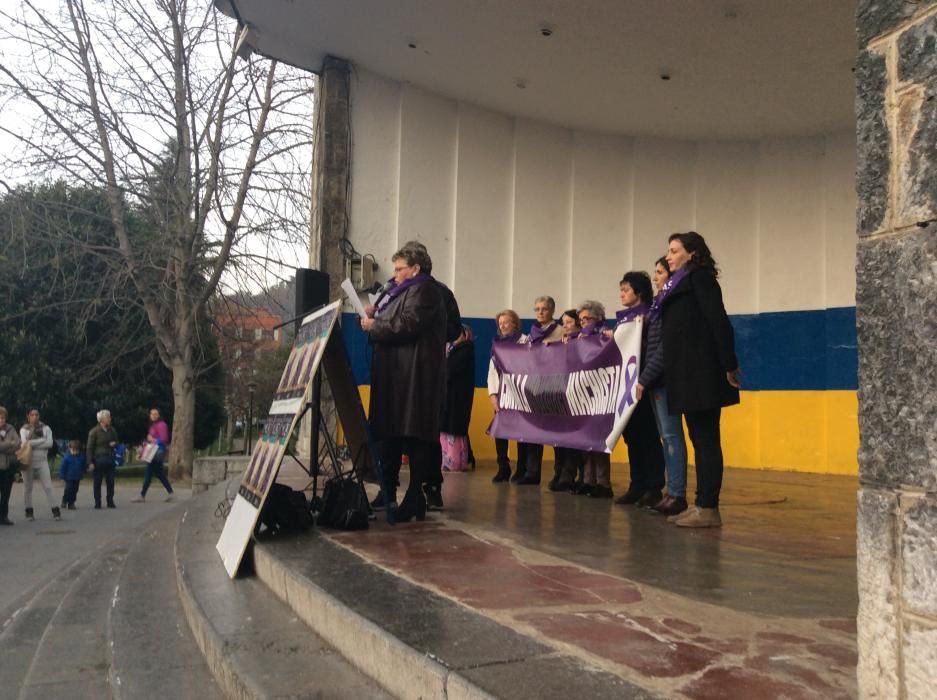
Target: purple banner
x: 578, y: 394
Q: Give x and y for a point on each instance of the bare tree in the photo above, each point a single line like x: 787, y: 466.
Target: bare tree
x: 149, y: 100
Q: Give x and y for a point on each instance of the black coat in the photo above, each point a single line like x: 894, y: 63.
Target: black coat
x: 408, y: 370
x: 460, y: 389
x: 699, y: 345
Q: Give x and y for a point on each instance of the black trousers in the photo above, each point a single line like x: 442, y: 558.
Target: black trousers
x: 71, y: 490
x: 103, y: 471
x: 703, y: 427
x: 7, y: 476
x: 420, y: 453
x: 645, y: 453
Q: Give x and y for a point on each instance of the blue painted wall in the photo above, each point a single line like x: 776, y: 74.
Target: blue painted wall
x: 785, y: 351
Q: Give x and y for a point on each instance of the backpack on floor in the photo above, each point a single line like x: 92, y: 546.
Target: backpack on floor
x: 285, y: 511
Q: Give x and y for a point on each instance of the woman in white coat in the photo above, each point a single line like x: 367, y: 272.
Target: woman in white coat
x: 39, y: 437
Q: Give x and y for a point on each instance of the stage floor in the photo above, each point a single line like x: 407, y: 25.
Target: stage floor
x: 764, y: 607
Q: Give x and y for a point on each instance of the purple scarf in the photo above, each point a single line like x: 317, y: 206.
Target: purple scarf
x: 631, y: 313
x: 394, y: 290
x: 538, y: 334
x: 593, y: 329
x: 661, y: 297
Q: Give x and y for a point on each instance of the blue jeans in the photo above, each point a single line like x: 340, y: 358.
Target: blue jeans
x: 671, y: 432
x: 155, y: 468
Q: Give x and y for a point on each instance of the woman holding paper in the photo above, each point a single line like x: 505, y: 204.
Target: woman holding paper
x: 408, y: 331
x: 701, y: 371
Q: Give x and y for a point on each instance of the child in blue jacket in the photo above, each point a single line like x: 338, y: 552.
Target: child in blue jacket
x: 71, y: 471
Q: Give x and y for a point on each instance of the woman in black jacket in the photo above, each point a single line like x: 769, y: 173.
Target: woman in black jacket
x: 701, y: 372
x: 457, y: 410
x: 408, y: 374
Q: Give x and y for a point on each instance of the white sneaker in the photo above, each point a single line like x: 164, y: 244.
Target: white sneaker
x: 170, y: 498
x: 139, y: 499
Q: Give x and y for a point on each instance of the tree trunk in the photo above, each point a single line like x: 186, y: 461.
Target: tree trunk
x: 183, y: 420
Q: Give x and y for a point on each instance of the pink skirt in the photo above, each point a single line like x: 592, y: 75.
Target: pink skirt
x: 454, y: 452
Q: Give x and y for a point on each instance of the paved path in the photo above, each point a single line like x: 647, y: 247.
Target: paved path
x: 34, y: 552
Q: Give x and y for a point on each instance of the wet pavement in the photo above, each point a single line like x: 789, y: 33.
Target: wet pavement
x: 763, y: 608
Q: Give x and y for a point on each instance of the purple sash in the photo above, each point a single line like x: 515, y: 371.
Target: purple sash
x: 538, y: 334
x: 592, y: 329
x: 631, y: 313
x: 661, y: 297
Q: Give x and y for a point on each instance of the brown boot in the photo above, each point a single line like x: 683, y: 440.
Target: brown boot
x: 701, y: 517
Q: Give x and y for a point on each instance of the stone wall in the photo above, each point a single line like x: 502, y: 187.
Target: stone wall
x: 896, y: 309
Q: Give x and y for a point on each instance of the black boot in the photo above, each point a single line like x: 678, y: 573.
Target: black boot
x: 504, y: 473
x: 56, y: 513
x: 29, y: 514
x: 531, y: 477
x: 433, y: 495
x: 413, y: 506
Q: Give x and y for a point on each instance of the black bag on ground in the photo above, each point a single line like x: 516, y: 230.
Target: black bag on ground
x: 285, y: 511
x: 344, y: 504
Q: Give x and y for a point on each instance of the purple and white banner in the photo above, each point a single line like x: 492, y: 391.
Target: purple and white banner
x: 578, y: 394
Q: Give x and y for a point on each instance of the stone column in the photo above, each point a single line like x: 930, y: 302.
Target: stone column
x: 331, y: 170
x: 896, y: 311
x: 331, y: 173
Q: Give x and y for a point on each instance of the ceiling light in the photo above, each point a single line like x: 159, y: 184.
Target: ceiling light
x: 547, y: 29
x: 520, y: 83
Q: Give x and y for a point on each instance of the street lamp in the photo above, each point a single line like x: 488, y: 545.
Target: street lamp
x: 251, y: 388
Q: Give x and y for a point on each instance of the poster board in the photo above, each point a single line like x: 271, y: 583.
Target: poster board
x: 290, y: 398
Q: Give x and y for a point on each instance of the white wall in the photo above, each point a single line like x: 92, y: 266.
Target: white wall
x: 511, y: 208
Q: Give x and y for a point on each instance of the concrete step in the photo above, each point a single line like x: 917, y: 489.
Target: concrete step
x: 25, y: 624
x: 416, y: 643
x: 255, y: 646
x: 71, y: 657
x: 154, y: 654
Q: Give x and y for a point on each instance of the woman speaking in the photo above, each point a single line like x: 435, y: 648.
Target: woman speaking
x: 408, y: 380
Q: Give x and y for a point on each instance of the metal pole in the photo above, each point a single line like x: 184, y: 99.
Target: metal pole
x: 250, y: 417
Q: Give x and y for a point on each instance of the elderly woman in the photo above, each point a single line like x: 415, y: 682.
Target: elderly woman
x: 701, y: 371
x: 545, y: 329
x: 102, y: 439
x: 39, y: 436
x: 509, y: 331
x: 569, y: 463
x: 596, y: 480
x: 408, y: 375
x: 9, y: 444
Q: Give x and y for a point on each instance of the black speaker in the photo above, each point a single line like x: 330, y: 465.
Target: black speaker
x: 312, y: 290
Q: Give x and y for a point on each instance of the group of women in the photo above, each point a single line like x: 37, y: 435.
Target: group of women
x: 689, y: 372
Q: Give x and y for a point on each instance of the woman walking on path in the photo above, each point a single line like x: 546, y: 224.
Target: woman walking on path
x: 701, y: 371
x: 39, y: 437
x: 158, y: 435
x: 9, y: 444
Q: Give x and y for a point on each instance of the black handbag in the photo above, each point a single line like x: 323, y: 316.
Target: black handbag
x: 344, y: 504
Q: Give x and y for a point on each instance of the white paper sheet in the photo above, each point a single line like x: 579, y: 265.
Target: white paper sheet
x: 352, y: 295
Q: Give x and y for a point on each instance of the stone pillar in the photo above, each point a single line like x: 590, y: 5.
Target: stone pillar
x: 331, y: 169
x: 896, y: 312
x: 331, y: 174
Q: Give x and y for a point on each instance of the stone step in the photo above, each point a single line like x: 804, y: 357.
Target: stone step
x: 154, y: 654
x: 255, y: 646
x: 25, y: 623
x: 71, y: 655
x: 416, y: 643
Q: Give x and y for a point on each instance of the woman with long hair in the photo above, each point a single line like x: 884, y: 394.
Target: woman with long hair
x: 701, y: 371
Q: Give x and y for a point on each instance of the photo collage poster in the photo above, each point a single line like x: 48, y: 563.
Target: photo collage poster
x: 288, y: 402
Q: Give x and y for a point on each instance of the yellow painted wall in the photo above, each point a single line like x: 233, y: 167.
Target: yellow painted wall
x: 802, y: 431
